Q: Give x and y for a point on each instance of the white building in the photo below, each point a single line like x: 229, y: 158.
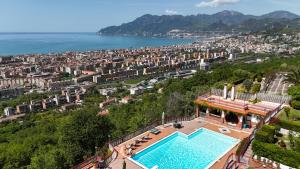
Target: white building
x: 9, y: 111
x: 136, y: 90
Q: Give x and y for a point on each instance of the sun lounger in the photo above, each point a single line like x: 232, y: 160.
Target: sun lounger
x: 129, y: 152
x: 177, y: 125
x: 154, y: 131
x: 146, y: 137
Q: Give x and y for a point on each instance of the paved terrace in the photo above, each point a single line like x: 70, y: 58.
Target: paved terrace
x: 188, y: 128
x: 238, y: 106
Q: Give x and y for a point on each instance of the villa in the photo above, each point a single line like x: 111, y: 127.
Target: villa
x: 217, y: 136
x: 235, y: 109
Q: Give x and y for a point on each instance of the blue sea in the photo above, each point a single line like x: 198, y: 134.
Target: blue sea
x: 35, y: 43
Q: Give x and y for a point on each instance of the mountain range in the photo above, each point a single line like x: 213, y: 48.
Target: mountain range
x: 221, y: 21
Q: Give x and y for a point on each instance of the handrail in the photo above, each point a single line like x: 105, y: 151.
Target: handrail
x: 96, y: 159
x: 231, y: 156
x: 156, y: 123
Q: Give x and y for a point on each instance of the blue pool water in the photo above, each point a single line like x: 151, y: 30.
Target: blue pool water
x: 179, y: 151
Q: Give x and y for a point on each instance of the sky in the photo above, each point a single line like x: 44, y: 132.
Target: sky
x: 92, y: 15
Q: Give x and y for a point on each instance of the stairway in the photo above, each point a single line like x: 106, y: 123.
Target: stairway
x: 244, y: 161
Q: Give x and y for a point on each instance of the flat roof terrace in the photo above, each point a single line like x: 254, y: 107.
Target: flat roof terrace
x: 243, y: 107
x: 166, y: 130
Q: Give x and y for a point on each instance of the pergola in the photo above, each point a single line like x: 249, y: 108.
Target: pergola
x: 241, y: 108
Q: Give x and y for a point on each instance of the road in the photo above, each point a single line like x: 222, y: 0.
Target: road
x: 278, y: 86
x: 9, y: 118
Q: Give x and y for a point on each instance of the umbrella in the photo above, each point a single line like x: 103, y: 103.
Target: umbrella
x: 163, y: 118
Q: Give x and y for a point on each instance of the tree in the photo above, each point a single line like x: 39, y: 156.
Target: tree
x: 287, y: 111
x: 175, y: 104
x: 48, y: 158
x: 291, y: 138
x: 256, y: 88
x: 248, y: 84
x: 82, y: 132
x: 293, y: 77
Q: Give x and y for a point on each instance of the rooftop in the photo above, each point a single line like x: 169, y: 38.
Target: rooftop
x: 243, y: 107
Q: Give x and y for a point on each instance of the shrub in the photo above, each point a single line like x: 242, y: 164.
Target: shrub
x: 259, y: 78
x: 255, y: 88
x: 287, y: 111
x: 261, y: 136
x: 290, y: 125
x: 295, y: 104
x: 266, y: 134
x: 297, y: 144
x: 274, y: 152
x: 269, y: 129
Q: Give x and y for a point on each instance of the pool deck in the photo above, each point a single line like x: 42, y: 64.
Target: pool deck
x: 166, y: 130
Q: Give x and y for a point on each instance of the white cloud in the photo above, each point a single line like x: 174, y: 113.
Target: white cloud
x: 171, y: 12
x: 215, y: 3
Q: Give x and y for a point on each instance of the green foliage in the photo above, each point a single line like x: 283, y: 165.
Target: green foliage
x: 287, y: 111
x: 259, y: 78
x: 266, y: 134
x: 82, y: 132
x: 255, y: 88
x: 292, y: 115
x: 56, y: 140
x: 21, y: 99
x: 274, y: 152
x: 248, y: 84
x: 295, y: 104
x: 52, y: 140
x: 297, y: 144
x: 66, y: 76
x: 293, y: 77
x: 294, y: 91
x: 290, y: 125
x: 291, y: 139
x: 263, y: 136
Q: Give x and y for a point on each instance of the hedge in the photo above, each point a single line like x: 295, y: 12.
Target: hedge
x: 297, y: 144
x: 262, y: 136
x: 295, y: 104
x: 290, y: 125
x: 269, y: 129
x: 276, y: 153
x: 266, y: 134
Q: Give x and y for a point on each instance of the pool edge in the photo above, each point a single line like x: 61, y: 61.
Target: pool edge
x: 201, y: 128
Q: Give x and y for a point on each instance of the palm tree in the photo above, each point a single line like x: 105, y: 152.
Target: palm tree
x: 293, y: 77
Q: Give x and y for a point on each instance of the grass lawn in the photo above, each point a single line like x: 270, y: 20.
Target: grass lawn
x: 294, y: 115
x: 134, y: 81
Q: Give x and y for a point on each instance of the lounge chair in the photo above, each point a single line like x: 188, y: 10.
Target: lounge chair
x: 177, y: 125
x: 146, y: 137
x: 136, y: 142
x: 154, y: 131
x: 129, y: 152
x: 140, y: 140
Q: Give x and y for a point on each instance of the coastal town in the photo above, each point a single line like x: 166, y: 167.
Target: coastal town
x: 193, y: 88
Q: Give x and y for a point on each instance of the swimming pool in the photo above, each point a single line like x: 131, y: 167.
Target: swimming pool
x: 199, y: 150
